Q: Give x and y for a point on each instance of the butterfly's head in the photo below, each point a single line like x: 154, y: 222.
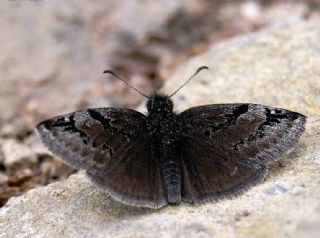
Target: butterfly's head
x: 159, y: 103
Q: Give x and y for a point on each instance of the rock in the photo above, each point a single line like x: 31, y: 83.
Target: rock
x: 261, y: 67
x: 3, y: 178
x: 276, y: 190
x: 278, y: 66
x: 17, y: 155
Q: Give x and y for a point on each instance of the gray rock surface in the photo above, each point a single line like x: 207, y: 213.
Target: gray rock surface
x: 15, y: 153
x: 279, y: 66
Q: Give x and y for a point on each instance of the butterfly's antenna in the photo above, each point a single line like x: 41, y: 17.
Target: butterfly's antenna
x: 118, y: 77
x: 198, y: 70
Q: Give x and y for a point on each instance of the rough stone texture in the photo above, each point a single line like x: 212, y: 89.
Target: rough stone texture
x: 55, y: 48
x: 15, y: 153
x: 279, y: 66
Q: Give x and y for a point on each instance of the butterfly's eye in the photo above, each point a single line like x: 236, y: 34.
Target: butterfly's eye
x: 170, y: 104
x: 150, y: 105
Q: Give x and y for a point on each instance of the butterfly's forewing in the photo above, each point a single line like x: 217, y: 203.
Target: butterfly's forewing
x: 111, y: 145
x: 227, y: 147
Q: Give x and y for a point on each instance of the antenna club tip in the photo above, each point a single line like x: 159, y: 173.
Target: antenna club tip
x: 108, y: 72
x: 202, y: 67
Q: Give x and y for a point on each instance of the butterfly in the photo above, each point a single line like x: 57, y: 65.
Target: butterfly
x: 203, y: 154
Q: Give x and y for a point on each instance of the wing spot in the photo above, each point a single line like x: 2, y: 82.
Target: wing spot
x: 230, y: 118
x: 234, y: 171
x: 108, y: 150
x: 236, y: 145
x: 237, y: 112
x: 207, y: 133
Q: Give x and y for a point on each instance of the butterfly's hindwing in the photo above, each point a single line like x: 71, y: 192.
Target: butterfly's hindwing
x: 209, y: 175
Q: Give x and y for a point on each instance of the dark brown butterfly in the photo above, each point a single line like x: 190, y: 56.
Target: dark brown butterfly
x: 202, y: 154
